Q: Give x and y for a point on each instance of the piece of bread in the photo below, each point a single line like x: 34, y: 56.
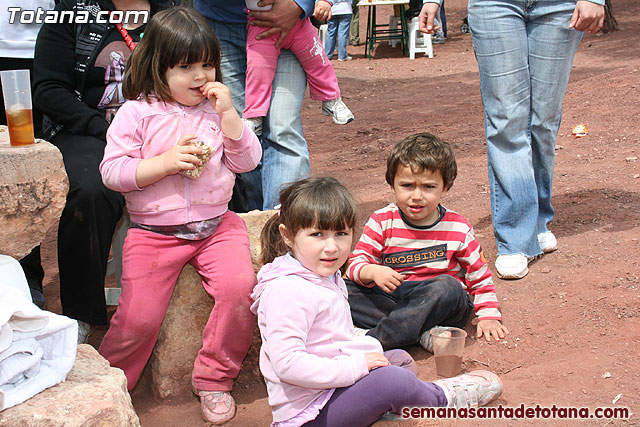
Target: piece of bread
x: 207, y: 152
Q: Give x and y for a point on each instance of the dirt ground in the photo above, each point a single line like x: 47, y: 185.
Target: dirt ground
x: 575, y: 319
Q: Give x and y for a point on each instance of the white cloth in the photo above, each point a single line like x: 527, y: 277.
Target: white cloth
x: 11, y: 274
x: 37, y: 348
x: 18, y: 40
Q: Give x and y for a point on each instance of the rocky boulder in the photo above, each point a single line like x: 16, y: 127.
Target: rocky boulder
x: 33, y: 192
x: 93, y: 395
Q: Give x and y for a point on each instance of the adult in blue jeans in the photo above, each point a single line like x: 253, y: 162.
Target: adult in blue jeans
x: 338, y: 29
x: 525, y: 51
x: 285, y: 155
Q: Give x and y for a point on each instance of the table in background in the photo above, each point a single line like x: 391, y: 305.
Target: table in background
x: 376, y: 32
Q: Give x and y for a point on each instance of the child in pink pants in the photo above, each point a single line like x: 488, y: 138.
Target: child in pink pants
x: 173, y: 150
x: 262, y: 61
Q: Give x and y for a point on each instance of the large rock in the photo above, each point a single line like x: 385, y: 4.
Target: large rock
x: 93, y: 395
x: 33, y: 192
x: 180, y: 336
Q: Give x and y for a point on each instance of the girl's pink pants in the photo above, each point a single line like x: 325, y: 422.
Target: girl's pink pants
x: 152, y: 263
x: 262, y: 61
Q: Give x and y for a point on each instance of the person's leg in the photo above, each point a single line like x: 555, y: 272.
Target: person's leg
x: 86, y: 229
x: 151, y: 264
x: 33, y: 271
x: 552, y: 47
x: 355, y: 24
x: 387, y: 389
x: 224, y: 262
x: 443, y: 19
x: 401, y: 358
x: 306, y: 45
x: 421, y: 306
x: 285, y: 153
x: 262, y: 58
x: 499, y: 33
x: 368, y: 305
x: 344, y: 22
x: 332, y: 35
x: 247, y: 193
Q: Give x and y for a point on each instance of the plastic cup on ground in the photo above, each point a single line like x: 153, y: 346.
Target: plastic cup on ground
x: 16, y: 89
x: 448, y: 346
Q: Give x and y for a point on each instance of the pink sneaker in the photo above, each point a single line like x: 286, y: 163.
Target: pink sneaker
x: 217, y: 407
x: 477, y: 388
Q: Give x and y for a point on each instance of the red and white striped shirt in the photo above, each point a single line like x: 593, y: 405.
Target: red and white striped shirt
x: 420, y: 253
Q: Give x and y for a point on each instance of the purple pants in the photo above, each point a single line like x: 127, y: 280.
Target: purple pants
x: 387, y: 389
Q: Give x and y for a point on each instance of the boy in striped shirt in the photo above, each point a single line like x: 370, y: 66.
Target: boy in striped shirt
x: 417, y: 263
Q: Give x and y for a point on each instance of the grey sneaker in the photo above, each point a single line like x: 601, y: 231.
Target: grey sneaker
x: 425, y: 340
x: 83, y: 332
x: 255, y: 124
x: 348, y: 58
x: 438, y: 37
x: 338, y: 110
x: 477, y: 388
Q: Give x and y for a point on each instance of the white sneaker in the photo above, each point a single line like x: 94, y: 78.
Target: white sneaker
x: 477, y: 388
x: 347, y: 58
x: 255, y: 124
x: 340, y: 112
x: 359, y: 332
x: 83, y: 332
x: 512, y: 266
x: 548, y: 242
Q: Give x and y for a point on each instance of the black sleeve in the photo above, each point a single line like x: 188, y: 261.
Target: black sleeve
x: 54, y: 80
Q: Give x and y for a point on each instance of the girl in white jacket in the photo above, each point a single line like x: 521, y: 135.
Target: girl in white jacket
x: 317, y: 372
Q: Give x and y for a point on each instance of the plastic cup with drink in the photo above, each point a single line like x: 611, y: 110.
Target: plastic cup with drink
x: 448, y: 346
x: 16, y: 89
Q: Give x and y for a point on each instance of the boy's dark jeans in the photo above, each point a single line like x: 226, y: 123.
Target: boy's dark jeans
x: 399, y: 319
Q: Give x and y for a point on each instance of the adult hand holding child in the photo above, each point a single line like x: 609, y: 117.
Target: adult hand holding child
x: 281, y: 18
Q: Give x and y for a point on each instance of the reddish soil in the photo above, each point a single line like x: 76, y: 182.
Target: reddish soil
x: 574, y: 320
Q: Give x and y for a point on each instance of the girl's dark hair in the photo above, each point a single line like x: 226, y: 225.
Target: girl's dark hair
x: 174, y: 36
x: 320, y: 202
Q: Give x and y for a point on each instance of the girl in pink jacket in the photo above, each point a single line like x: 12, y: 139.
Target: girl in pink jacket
x: 176, y: 98
x: 318, y: 373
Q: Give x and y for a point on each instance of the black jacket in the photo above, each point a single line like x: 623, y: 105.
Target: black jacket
x: 64, y: 53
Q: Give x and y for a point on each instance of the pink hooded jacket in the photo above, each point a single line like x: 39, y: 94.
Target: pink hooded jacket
x: 142, y: 130
x: 308, y: 345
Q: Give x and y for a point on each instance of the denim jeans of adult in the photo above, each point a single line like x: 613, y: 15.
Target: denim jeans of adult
x: 525, y: 51
x: 285, y: 156
x: 398, y: 319
x: 338, y: 28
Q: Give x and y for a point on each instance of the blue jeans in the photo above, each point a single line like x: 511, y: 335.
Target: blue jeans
x: 525, y: 51
x: 338, y: 26
x: 285, y: 156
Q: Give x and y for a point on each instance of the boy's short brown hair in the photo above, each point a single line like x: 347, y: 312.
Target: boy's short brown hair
x: 423, y: 151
